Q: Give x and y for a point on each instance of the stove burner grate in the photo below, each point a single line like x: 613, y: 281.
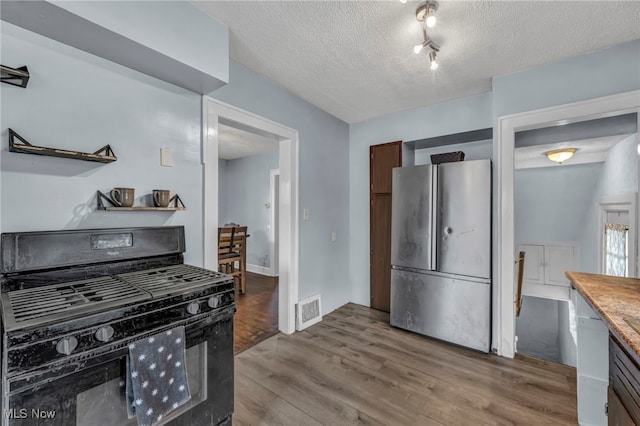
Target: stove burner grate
x: 34, y: 306
x: 172, y: 279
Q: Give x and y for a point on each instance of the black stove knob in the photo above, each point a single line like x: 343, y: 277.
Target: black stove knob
x: 214, y: 302
x: 193, y: 308
x: 67, y: 345
x: 104, y: 334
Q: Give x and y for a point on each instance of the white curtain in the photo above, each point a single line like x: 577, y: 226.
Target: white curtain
x: 615, y: 262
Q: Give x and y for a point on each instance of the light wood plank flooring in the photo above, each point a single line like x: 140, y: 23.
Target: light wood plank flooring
x: 257, y: 312
x: 353, y: 368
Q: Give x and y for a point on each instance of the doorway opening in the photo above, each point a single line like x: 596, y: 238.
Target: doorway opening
x: 504, y: 146
x: 247, y: 159
x: 219, y: 116
x: 556, y: 221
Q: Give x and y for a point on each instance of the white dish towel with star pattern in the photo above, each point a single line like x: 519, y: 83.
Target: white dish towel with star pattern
x: 157, y: 381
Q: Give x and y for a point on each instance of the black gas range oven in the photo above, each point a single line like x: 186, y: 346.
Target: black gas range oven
x: 74, y: 304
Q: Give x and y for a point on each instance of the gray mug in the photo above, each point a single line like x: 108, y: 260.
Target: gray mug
x: 123, y: 197
x: 161, y: 197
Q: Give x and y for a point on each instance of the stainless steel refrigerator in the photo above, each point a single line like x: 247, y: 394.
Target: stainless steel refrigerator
x: 441, y: 251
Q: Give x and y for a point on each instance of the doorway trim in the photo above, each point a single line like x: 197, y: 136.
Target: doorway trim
x: 288, y: 230
x: 503, y: 153
x: 623, y: 203
x: 273, y: 216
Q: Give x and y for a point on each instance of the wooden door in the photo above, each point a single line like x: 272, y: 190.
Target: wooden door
x: 382, y: 158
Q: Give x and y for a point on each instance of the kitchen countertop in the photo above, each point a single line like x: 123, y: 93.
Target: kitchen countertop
x: 614, y: 299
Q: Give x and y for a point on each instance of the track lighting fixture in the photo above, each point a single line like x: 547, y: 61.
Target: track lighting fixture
x: 426, y: 13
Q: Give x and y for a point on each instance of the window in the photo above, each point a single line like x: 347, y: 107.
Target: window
x: 616, y: 249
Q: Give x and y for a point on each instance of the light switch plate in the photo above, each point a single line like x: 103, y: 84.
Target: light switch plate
x: 334, y: 237
x: 305, y: 214
x: 166, y: 157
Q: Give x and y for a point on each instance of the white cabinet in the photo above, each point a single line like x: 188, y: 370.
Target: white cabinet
x: 533, y: 263
x: 545, y: 265
x: 592, y: 365
x: 558, y: 259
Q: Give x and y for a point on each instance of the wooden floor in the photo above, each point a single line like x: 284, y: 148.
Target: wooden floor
x: 353, y: 368
x: 257, y: 314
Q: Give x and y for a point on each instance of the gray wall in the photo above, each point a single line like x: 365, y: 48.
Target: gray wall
x: 551, y: 203
x: 537, y: 328
x: 601, y: 73
x: 222, y: 192
x: 323, y: 179
x: 247, y: 191
x: 619, y: 176
x: 456, y: 116
x: 545, y: 330
x: 477, y: 150
x: 81, y: 102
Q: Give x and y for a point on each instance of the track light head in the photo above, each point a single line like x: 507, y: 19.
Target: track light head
x: 427, y: 12
x: 432, y: 58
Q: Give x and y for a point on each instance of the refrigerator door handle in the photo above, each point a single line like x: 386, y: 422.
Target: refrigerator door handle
x: 433, y: 218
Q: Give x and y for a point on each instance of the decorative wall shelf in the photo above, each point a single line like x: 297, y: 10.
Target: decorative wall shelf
x: 175, y: 204
x: 103, y: 155
x: 14, y: 76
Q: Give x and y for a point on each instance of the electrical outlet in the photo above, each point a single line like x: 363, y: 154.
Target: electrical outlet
x: 166, y: 157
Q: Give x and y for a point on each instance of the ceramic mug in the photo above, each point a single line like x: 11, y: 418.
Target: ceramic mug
x: 161, y: 197
x: 123, y: 197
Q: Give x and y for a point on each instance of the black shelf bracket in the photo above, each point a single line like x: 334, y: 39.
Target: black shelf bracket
x: 14, y: 76
x: 101, y: 205
x: 176, y: 201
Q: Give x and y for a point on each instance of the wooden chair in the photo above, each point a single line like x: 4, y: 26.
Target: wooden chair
x: 232, y: 249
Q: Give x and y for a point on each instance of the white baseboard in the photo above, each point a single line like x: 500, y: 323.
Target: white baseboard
x: 256, y: 269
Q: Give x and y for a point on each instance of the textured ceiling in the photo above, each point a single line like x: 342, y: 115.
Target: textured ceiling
x: 355, y: 60
x: 237, y: 143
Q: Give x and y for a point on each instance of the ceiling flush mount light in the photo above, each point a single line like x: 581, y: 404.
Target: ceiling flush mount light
x: 426, y: 13
x: 560, y: 155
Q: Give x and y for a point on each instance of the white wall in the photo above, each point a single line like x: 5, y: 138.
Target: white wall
x: 567, y: 333
x: 247, y: 191
x: 81, y: 102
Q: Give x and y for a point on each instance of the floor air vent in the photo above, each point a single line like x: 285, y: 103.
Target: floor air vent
x: 308, y: 312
